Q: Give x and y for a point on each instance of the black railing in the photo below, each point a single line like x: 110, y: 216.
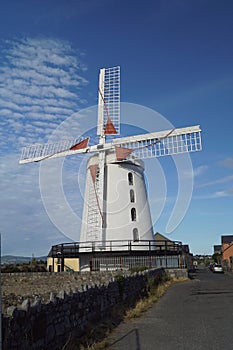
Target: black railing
x: 76, y: 248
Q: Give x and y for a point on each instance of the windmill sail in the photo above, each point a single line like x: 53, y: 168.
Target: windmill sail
x: 36, y: 153
x: 108, y: 124
x: 163, y: 143
x: 109, y: 101
x: 157, y: 144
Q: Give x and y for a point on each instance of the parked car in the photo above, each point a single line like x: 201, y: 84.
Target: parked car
x: 217, y: 268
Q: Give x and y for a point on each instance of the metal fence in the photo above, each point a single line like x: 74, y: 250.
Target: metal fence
x: 119, y: 255
x: 115, y: 263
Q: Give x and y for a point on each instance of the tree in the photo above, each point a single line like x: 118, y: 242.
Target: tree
x: 217, y: 257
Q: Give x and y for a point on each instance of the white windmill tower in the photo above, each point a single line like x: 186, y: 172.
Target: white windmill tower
x: 116, y: 208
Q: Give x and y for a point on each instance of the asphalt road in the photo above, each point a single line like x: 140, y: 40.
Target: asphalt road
x: 194, y: 315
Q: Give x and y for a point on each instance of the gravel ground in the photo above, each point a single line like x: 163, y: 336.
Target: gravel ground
x: 17, y: 287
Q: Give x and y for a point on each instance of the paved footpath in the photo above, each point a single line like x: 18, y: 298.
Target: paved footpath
x: 194, y: 315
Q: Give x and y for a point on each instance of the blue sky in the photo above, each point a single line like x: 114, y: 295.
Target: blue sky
x: 175, y: 58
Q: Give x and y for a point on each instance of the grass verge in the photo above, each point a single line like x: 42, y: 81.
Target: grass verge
x: 156, y: 292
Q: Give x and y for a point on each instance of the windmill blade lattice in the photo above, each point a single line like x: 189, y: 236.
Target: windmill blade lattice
x: 38, y: 152
x: 109, y: 101
x: 164, y: 143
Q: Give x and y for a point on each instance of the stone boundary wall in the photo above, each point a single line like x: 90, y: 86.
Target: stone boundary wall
x: 49, y: 325
x: 177, y: 273
x: 16, y: 287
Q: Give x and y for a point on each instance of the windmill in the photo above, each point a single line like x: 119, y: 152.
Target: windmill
x: 115, y: 203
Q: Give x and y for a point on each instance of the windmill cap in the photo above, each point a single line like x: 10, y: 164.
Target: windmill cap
x: 111, y: 159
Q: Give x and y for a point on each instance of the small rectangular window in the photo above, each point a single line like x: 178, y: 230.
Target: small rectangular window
x: 135, y: 235
x: 133, y: 214
x: 130, y: 178
x: 132, y: 196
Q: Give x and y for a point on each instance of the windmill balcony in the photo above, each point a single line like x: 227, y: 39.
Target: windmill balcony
x: 114, y: 255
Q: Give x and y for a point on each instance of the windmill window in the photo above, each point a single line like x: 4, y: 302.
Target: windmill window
x: 132, y: 196
x: 135, y: 235
x: 130, y: 178
x: 133, y: 214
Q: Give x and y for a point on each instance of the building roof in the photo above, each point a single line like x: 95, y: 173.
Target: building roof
x: 217, y: 248
x: 227, y: 239
x: 159, y: 237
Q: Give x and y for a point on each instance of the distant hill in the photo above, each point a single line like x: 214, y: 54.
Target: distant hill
x: 11, y: 259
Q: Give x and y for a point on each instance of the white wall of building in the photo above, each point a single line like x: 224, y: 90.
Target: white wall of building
x: 126, y: 209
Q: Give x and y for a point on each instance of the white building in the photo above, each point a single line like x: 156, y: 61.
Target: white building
x: 125, y: 212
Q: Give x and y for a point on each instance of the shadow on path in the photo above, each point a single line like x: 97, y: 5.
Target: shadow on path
x: 131, y: 337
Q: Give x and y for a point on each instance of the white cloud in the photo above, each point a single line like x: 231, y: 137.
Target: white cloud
x: 40, y: 82
x: 217, y: 194
x: 23, y: 215
x: 224, y: 193
x: 200, y: 170
x: 222, y: 180
x: 226, y: 163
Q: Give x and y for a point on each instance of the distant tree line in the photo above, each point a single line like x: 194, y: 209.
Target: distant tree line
x: 33, y: 266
